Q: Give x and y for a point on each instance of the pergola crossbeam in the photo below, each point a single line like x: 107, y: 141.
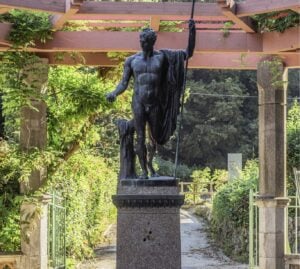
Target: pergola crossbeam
x: 59, y: 20
x: 155, y: 22
x: 229, y: 10
x: 52, y: 6
x: 210, y: 17
x: 253, y: 7
x: 162, y: 9
x: 210, y: 41
x: 237, y: 61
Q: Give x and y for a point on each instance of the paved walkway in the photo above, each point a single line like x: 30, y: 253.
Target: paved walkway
x: 197, y: 252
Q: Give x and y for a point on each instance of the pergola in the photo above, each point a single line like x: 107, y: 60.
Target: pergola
x: 241, y: 48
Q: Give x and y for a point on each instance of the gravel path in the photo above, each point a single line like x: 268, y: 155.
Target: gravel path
x: 197, y: 252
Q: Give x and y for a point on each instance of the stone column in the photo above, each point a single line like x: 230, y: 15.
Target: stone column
x: 33, y: 134
x: 148, y: 224
x: 272, y: 162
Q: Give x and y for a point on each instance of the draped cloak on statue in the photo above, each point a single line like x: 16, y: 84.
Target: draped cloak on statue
x: 169, y: 93
x: 127, y: 154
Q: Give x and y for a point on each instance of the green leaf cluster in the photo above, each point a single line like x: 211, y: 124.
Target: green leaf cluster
x: 86, y: 182
x: 218, y: 119
x: 276, y: 21
x: 166, y: 168
x: 28, y: 27
x: 207, y: 180
x: 230, y: 213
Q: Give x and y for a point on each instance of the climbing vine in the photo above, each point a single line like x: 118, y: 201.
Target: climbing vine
x: 276, y: 21
x: 75, y: 100
x: 28, y: 27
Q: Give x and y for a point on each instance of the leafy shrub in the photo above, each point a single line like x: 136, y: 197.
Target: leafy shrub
x: 166, y: 168
x: 209, y: 180
x: 10, y: 223
x: 230, y: 219
x: 87, y: 183
x: 293, y: 136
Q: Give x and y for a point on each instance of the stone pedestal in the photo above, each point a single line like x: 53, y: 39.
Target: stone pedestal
x: 148, y: 225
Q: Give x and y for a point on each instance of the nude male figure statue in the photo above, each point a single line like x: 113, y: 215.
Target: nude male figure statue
x: 158, y: 82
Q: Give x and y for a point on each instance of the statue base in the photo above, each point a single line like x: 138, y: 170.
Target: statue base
x: 148, y: 224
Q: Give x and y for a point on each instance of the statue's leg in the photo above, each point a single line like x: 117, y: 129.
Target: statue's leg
x: 152, y: 145
x: 151, y: 149
x: 140, y: 126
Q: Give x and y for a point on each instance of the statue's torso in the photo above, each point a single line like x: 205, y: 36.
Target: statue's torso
x: 147, y: 75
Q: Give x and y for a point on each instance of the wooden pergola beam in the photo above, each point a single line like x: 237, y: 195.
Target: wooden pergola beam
x: 59, y: 20
x: 238, y: 61
x: 210, y: 41
x: 141, y: 17
x: 289, y: 40
x: 253, y: 7
x: 229, y: 10
x: 150, y: 9
x: 155, y: 23
x: 163, y: 9
x: 4, y: 9
x: 52, y: 6
x: 5, y: 29
x: 129, y: 42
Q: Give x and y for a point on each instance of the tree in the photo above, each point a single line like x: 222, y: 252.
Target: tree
x: 216, y: 119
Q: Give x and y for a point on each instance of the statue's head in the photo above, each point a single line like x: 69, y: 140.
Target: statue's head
x: 147, y: 39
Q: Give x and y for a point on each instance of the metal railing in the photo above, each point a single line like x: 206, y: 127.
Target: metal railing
x: 193, y: 193
x: 56, y: 233
x: 292, y: 226
x: 253, y: 231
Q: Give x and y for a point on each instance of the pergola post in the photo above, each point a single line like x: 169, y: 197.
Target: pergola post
x: 33, y: 134
x: 272, y: 198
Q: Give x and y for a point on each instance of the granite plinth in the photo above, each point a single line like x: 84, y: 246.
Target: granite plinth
x: 148, y: 225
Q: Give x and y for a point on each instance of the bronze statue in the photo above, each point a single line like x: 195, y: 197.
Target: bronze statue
x: 158, y: 84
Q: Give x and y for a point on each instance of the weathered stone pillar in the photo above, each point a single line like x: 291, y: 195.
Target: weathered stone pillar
x: 272, y: 159
x: 33, y: 134
x: 148, y: 225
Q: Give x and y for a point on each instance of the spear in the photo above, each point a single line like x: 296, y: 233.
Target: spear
x: 182, y: 102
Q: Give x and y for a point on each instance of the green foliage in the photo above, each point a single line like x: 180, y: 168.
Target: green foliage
x: 202, y: 178
x: 230, y: 217
x: 218, y: 118
x: 226, y: 28
x: 293, y: 145
x: 9, y: 222
x: 293, y: 136
x: 166, y: 168
x: 15, y: 89
x: 28, y: 27
x: 209, y: 180
x: 87, y: 182
x: 277, y: 21
x: 171, y: 26
x: 75, y: 100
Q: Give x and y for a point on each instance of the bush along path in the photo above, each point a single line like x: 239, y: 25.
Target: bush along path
x: 197, y: 251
